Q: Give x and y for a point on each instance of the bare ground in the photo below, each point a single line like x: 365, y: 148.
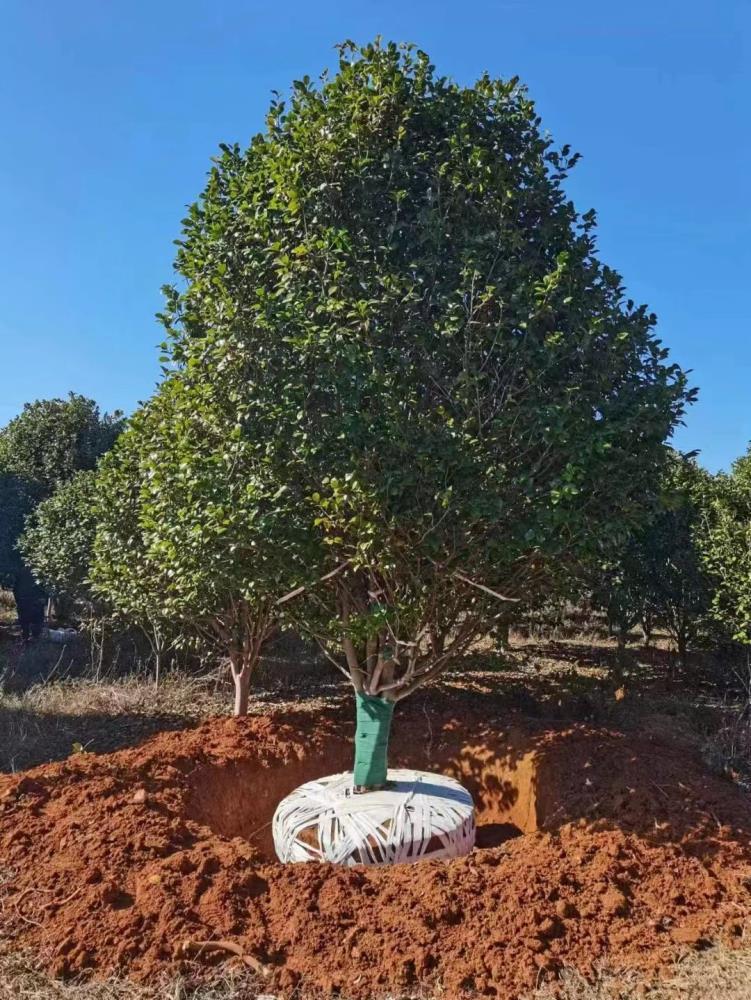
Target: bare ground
x: 567, y: 679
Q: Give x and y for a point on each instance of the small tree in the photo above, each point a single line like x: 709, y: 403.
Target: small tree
x: 725, y: 539
x: 409, y: 314
x: 52, y: 439
x: 619, y: 591
x: 191, y: 534
x: 58, y: 542
x: 676, y: 583
x: 41, y: 448
x: 660, y: 575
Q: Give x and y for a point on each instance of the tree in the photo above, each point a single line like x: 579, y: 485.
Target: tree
x: 51, y: 439
x: 410, y: 318
x: 725, y: 540
x: 41, y: 448
x: 660, y: 575
x: 676, y: 583
x: 620, y: 592
x: 192, y: 533
x: 57, y: 544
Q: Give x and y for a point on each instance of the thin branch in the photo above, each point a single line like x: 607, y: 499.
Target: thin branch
x: 487, y: 590
x: 301, y: 590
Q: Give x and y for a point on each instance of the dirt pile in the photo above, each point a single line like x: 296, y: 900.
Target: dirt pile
x: 593, y: 844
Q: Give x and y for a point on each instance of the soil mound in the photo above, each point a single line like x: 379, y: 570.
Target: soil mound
x: 592, y: 844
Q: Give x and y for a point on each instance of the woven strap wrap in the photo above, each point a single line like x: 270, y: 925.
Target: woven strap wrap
x: 417, y: 816
x: 372, y: 740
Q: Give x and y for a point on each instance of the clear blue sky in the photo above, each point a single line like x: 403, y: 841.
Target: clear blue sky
x: 110, y: 111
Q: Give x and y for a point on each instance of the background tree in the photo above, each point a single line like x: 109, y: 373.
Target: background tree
x: 41, y: 448
x: 57, y: 544
x: 16, y: 502
x: 51, y: 439
x: 726, y: 547
x: 409, y: 313
x: 619, y: 590
x: 192, y: 535
x: 660, y: 575
x: 677, y: 585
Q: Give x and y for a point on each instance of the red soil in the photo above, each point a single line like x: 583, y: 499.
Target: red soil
x: 630, y: 851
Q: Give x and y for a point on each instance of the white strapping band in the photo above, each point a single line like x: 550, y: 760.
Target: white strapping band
x: 416, y: 817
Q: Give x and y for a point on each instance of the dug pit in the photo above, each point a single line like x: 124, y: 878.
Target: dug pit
x: 591, y: 845
x: 238, y: 798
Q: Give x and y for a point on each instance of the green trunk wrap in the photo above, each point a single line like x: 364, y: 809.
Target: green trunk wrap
x: 372, y: 740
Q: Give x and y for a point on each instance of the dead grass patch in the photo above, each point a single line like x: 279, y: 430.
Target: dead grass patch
x: 53, y: 719
x: 22, y: 979
x: 715, y: 974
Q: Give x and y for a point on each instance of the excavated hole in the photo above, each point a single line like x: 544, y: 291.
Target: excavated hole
x: 238, y: 799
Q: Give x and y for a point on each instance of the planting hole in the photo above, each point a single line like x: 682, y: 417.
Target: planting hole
x: 238, y: 799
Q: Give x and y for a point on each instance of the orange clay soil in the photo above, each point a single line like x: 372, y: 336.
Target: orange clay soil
x: 592, y: 844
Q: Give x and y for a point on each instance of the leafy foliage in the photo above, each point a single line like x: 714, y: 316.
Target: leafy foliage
x: 41, y: 448
x: 676, y: 582
x: 16, y: 502
x: 726, y: 542
x: 660, y: 577
x: 191, y: 531
x: 59, y: 537
x: 54, y: 438
x: 407, y: 319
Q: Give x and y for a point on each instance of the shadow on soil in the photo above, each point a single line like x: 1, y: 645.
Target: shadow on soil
x: 29, y: 738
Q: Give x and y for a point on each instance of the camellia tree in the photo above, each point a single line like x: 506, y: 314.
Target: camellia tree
x: 725, y: 540
x: 660, y: 576
x: 192, y: 535
x: 677, y: 585
x: 51, y: 439
x: 417, y: 336
x: 41, y: 449
x: 58, y: 541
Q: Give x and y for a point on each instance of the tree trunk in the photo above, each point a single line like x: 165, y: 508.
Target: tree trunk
x: 682, y: 650
x: 647, y: 626
x: 374, y: 716
x: 504, y: 631
x: 242, y: 689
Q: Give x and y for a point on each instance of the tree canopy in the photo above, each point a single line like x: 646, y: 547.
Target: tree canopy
x: 417, y: 335
x: 661, y: 575
x: 727, y: 548
x: 191, y: 529
x: 57, y: 544
x: 40, y: 449
x: 16, y: 502
x: 51, y: 439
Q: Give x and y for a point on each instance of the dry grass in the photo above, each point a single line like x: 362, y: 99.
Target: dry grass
x: 53, y: 719
x: 22, y: 979
x: 7, y: 607
x: 177, y: 694
x: 715, y: 974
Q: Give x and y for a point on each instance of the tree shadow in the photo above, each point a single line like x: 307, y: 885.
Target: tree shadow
x: 29, y: 738
x: 540, y: 777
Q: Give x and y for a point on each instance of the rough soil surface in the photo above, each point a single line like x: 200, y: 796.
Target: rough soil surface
x: 593, y: 845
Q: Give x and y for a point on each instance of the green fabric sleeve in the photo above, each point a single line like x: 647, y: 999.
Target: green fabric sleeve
x: 372, y: 740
